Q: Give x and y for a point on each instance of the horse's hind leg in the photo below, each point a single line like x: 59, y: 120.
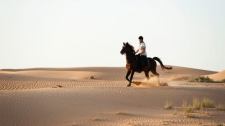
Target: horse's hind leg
x: 155, y: 73
x: 147, y: 74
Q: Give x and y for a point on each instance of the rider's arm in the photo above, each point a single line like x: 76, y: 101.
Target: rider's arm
x: 137, y: 51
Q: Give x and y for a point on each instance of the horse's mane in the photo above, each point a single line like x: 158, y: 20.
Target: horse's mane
x: 131, y: 47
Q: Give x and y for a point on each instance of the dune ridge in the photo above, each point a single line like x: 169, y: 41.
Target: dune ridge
x: 217, y: 76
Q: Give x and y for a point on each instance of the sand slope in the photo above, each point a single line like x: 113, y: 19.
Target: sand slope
x: 30, y: 97
x: 217, y: 76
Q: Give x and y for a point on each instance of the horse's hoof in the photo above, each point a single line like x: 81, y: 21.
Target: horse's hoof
x: 128, y: 85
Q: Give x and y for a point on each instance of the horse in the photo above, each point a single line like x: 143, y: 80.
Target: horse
x: 132, y: 63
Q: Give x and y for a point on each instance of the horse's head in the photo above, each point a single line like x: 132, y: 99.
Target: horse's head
x: 124, y: 48
x: 127, y: 48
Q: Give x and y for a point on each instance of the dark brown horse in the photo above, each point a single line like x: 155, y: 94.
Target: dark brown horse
x: 132, y: 63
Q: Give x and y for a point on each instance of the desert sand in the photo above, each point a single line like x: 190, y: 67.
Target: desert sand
x: 68, y: 97
x: 217, y: 76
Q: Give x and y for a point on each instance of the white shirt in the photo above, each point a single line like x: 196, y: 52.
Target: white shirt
x: 141, y: 47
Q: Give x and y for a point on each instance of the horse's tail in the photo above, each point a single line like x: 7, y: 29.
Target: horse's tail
x: 162, y: 66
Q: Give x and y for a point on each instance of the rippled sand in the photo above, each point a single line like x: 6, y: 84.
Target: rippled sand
x: 31, y: 97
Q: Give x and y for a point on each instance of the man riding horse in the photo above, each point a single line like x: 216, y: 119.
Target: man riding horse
x: 142, y: 57
x: 135, y: 61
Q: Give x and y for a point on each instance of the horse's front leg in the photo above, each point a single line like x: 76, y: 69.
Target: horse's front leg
x: 131, y: 77
x: 128, y: 74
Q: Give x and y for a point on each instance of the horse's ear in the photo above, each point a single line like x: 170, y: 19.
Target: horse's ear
x: 126, y: 43
x: 123, y: 43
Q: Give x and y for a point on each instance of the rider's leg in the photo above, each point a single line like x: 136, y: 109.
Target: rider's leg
x: 139, y: 64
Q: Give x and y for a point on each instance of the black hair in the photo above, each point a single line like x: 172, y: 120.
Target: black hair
x: 140, y: 37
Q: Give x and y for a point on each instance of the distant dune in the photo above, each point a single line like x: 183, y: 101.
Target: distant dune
x: 217, y: 76
x: 99, y: 96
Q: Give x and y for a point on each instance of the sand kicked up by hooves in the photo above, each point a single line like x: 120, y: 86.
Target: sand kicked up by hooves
x: 152, y: 82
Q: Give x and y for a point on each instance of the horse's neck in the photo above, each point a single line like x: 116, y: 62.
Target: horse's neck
x: 129, y: 55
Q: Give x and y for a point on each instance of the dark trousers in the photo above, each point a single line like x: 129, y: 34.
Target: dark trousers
x: 141, y: 61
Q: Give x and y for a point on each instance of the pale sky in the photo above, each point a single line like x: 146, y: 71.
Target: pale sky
x: 84, y: 33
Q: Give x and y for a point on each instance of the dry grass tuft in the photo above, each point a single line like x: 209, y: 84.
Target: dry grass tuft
x: 58, y: 86
x: 175, y: 111
x: 188, y: 110
x: 190, y: 115
x: 75, y: 124
x: 96, y: 119
x: 197, y: 103
x: 168, y: 105
x: 197, y: 107
x: 122, y: 113
x: 202, y: 79
x: 219, y: 124
x: 220, y: 107
x: 207, y: 103
x: 92, y: 77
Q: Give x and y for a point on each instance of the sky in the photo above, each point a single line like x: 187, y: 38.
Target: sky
x: 86, y: 33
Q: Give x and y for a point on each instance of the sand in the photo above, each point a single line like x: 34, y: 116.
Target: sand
x: 217, y: 76
x: 31, y: 97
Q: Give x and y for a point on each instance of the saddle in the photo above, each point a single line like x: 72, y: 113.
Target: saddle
x: 143, y: 61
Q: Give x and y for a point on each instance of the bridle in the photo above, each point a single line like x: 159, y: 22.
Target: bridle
x: 129, y: 60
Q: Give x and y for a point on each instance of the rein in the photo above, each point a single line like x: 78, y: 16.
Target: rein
x: 129, y: 60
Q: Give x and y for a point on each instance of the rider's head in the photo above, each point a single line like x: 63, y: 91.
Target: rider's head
x: 140, y: 39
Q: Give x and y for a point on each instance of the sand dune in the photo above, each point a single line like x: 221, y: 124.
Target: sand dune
x: 217, y: 76
x: 31, y: 97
